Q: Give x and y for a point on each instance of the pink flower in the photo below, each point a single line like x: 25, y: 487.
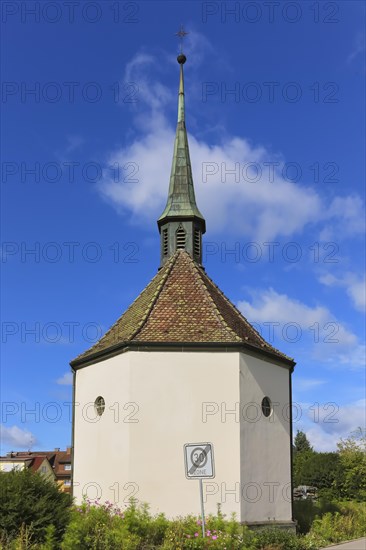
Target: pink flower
x: 196, y: 534
x: 214, y: 537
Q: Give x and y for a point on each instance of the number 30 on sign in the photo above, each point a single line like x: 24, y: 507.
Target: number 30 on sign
x: 199, y: 460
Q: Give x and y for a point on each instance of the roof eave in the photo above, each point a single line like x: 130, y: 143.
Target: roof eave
x: 164, y: 218
x: 142, y: 346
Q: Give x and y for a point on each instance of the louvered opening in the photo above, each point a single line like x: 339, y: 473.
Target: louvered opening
x: 181, y: 238
x: 197, y: 243
x: 165, y: 242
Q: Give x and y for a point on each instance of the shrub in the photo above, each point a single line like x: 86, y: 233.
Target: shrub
x: 349, y: 523
x: 277, y: 539
x: 98, y: 527
x: 186, y: 534
x: 31, y: 507
x: 151, y: 529
x: 305, y: 511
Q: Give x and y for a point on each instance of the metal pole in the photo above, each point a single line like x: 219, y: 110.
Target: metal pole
x: 202, y: 509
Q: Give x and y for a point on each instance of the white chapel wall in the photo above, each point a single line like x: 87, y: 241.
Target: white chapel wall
x: 265, y: 442
x: 155, y: 403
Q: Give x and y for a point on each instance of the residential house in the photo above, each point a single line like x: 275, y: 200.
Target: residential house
x: 59, y: 462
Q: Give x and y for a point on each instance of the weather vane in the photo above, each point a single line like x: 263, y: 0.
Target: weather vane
x: 181, y: 35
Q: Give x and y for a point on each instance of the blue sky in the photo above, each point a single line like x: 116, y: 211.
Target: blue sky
x: 275, y: 115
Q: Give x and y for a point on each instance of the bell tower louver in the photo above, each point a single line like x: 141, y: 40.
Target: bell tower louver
x: 181, y: 225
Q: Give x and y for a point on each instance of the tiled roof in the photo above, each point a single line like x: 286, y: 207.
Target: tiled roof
x: 57, y: 459
x: 181, y: 304
x: 37, y: 462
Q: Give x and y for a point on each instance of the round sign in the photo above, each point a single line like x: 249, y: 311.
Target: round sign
x: 199, y: 457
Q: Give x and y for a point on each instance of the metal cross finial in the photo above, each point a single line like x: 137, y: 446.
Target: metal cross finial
x: 181, y: 34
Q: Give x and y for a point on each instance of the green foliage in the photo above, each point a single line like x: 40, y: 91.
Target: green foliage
x: 349, y: 523
x: 299, y: 463
x: 186, y: 534
x: 339, y: 475
x: 277, y: 539
x: 32, y: 507
x: 316, y: 469
x: 98, y: 527
x: 138, y: 521
x: 94, y: 526
x: 351, y: 484
x: 305, y: 511
x: 301, y: 443
x: 106, y: 527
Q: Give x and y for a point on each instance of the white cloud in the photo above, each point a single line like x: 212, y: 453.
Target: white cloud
x: 262, y: 210
x: 65, y: 380
x: 344, y: 217
x: 357, y: 292
x: 355, y: 287
x: 16, y: 437
x: 142, y: 85
x: 326, y: 423
x: 327, y: 339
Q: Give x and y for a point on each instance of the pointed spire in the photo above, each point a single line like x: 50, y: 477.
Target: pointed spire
x: 181, y: 205
x: 181, y: 108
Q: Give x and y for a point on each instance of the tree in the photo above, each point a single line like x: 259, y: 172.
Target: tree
x: 301, y: 442
x: 316, y: 469
x: 29, y: 500
x: 351, y: 483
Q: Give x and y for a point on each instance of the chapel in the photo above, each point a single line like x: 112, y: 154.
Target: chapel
x: 183, y: 365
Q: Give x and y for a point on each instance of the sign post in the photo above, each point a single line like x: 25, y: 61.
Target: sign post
x: 202, y: 509
x: 199, y: 463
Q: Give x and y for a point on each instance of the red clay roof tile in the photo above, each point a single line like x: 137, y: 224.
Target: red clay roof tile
x: 181, y: 304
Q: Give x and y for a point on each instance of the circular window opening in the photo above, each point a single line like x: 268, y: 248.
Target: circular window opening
x: 99, y: 405
x: 266, y: 406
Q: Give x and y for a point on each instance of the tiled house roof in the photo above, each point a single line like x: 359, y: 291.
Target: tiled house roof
x: 181, y: 305
x: 56, y: 459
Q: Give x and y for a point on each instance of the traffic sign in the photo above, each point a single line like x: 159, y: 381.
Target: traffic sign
x: 199, y: 460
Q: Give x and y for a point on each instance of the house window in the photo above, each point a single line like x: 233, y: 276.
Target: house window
x: 197, y: 243
x: 99, y: 405
x: 165, y: 242
x: 180, y: 238
x: 67, y: 483
x: 67, y: 466
x: 266, y: 406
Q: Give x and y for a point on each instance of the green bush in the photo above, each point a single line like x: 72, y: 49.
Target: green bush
x: 138, y: 521
x: 98, y: 527
x: 351, y: 485
x: 277, y: 539
x: 186, y: 534
x: 305, y: 511
x: 349, y: 523
x: 105, y: 526
x: 340, y: 475
x: 317, y: 469
x: 31, y: 507
x: 94, y: 526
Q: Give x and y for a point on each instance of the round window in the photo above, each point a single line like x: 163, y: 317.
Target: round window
x: 266, y: 406
x: 99, y: 405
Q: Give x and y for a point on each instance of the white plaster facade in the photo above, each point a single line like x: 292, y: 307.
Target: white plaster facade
x: 155, y: 402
